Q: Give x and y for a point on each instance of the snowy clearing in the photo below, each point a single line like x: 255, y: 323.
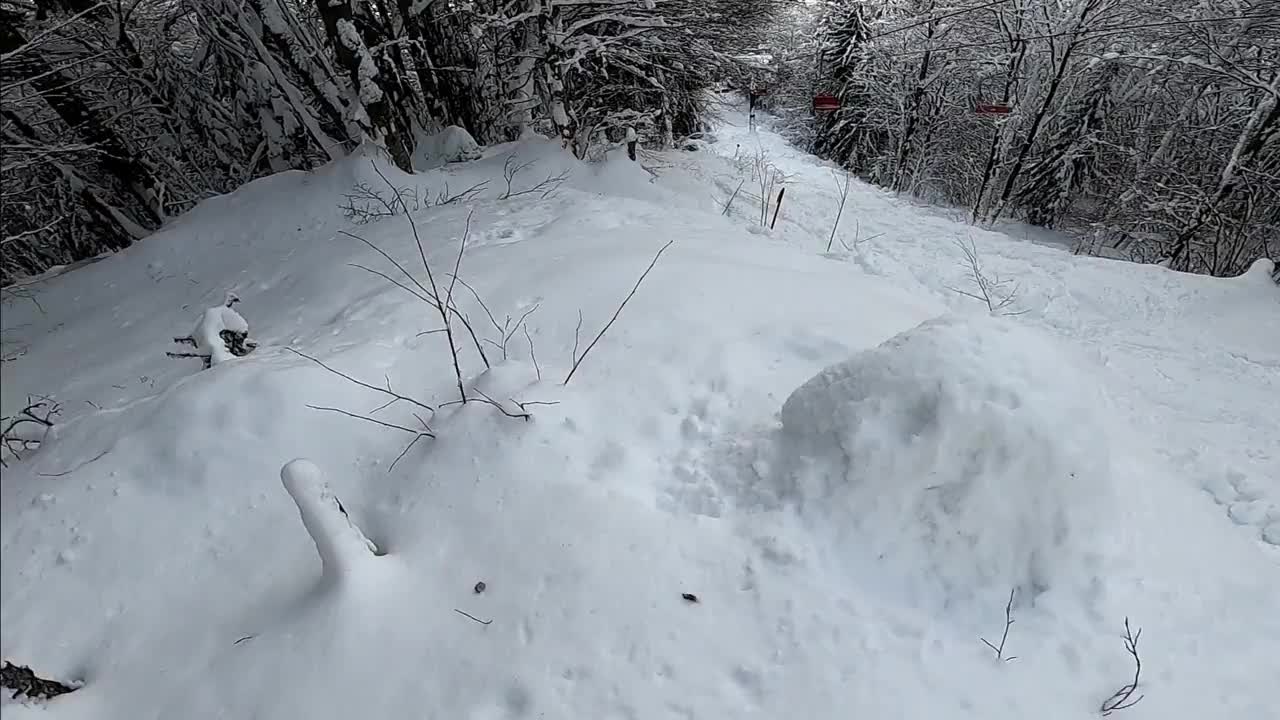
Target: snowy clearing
x: 848, y: 462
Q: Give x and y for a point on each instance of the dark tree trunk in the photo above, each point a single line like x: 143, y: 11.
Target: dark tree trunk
x: 58, y: 89
x: 381, y: 122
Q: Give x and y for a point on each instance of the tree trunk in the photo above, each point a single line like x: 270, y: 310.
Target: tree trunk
x: 58, y: 89
x: 373, y: 109
x: 1263, y: 126
x: 1011, y: 181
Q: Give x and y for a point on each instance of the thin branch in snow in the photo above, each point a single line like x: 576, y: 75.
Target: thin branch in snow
x: 548, y: 186
x: 577, y: 361
x: 842, y: 186
x: 729, y: 203
x: 425, y: 432
x: 1008, y: 622
x: 435, y: 293
x: 91, y: 460
x: 533, y: 356
x: 26, y: 429
x: 473, y: 617
x: 395, y: 396
x: 995, y: 292
x: 1123, y: 698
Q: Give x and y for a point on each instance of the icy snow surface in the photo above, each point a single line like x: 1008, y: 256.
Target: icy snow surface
x: 848, y: 463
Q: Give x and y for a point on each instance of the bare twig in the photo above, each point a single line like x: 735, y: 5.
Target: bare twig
x: 991, y: 289
x: 1123, y: 698
x: 375, y: 421
x: 522, y: 415
x: 435, y: 292
x: 473, y: 617
x: 1008, y: 622
x: 395, y: 282
x: 395, y: 396
x: 729, y: 203
x: 444, y: 198
x: 510, y: 169
x: 425, y: 432
x: 533, y: 355
x: 577, y: 361
x: 18, y: 432
x: 64, y: 473
x: 842, y: 185
x: 421, y: 293
x: 576, y: 332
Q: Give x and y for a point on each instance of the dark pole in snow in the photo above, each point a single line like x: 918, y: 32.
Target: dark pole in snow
x: 778, y: 208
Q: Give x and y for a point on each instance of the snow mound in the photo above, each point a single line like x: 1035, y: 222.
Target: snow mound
x: 966, y: 455
x: 1263, y: 270
x: 209, y: 329
x: 450, y: 145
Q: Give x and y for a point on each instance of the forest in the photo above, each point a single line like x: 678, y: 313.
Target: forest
x: 1148, y: 129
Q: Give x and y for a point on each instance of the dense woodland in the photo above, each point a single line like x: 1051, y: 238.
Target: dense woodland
x: 1148, y: 127
x: 120, y: 114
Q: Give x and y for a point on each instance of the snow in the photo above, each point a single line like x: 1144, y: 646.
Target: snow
x: 209, y: 328
x: 965, y: 455
x: 848, y: 463
x: 451, y: 145
x: 341, y: 545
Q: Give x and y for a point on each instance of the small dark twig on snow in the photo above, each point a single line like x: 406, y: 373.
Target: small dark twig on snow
x: 577, y: 361
x: 473, y: 617
x: 14, y: 434
x: 425, y: 432
x: 395, y: 396
x: 1123, y: 698
x: 1008, y: 622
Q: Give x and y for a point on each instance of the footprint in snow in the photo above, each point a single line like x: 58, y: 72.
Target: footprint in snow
x: 498, y: 236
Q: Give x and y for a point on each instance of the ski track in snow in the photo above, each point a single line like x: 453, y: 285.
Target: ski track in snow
x: 151, y: 534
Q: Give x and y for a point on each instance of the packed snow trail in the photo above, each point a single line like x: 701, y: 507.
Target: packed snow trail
x: 756, y: 430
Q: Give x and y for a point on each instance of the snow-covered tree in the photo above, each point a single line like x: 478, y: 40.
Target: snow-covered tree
x: 115, y: 117
x: 1150, y: 124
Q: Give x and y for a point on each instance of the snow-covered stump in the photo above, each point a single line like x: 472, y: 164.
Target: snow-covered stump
x: 219, y: 335
x: 342, y: 546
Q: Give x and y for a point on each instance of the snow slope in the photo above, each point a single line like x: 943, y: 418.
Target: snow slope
x: 847, y: 463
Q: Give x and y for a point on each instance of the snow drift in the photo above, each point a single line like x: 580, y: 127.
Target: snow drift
x: 964, y: 454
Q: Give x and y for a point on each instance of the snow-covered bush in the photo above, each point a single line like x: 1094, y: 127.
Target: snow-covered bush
x: 219, y: 335
x: 958, y: 456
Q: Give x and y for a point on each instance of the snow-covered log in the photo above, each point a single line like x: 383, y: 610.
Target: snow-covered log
x: 342, y: 546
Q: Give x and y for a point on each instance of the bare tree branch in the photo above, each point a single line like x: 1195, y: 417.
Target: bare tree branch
x: 577, y: 361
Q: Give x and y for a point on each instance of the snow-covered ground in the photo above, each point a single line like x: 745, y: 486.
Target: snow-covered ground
x: 849, y: 464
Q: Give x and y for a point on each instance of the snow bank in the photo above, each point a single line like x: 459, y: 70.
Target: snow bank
x: 964, y: 456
